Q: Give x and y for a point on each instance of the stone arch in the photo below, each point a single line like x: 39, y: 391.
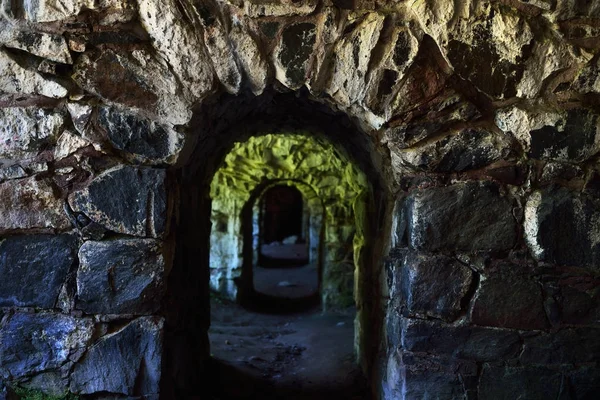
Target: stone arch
x: 299, y: 157
x: 250, y: 215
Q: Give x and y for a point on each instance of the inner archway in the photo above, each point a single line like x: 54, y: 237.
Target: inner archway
x: 327, y: 193
x: 288, y: 268
x: 228, y: 122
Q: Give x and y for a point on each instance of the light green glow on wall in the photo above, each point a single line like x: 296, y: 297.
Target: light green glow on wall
x: 336, y: 180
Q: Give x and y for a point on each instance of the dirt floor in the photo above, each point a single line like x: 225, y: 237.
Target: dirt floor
x: 269, y: 353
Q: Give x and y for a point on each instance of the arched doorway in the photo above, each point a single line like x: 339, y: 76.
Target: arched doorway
x: 193, y: 272
x: 291, y: 267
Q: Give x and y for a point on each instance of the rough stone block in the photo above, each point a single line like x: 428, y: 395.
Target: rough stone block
x: 535, y: 383
x: 34, y: 268
x: 509, y: 298
x: 144, y: 139
x: 293, y: 55
x: 585, y: 382
x: 120, y: 277
x: 433, y: 285
x: 20, y: 81
x: 465, y: 150
x: 464, y: 216
x: 463, y: 342
x: 126, y: 362
x: 567, y: 346
x: 562, y: 227
x: 572, y: 138
x: 30, y: 203
x: 126, y: 200
x: 31, y: 343
x: 26, y: 131
x: 421, y: 376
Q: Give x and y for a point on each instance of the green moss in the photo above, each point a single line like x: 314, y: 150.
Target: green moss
x: 31, y: 394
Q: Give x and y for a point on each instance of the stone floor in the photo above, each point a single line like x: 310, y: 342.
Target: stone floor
x: 289, y: 282
x: 304, y: 355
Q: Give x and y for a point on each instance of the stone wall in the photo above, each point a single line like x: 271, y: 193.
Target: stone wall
x: 475, y: 121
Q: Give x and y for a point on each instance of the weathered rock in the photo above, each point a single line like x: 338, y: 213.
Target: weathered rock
x: 509, y: 298
x: 138, y: 79
x: 126, y: 200
x: 562, y: 227
x: 398, y: 55
x: 550, y: 135
x: 250, y: 57
x: 567, y: 346
x: 484, y: 49
x: 30, y: 203
x: 588, y: 80
x: 448, y: 109
x: 463, y: 342
x: 499, y: 382
x: 69, y: 143
x: 34, y: 268
x: 182, y: 46
x: 26, y: 131
x: 432, y: 285
x: 31, y: 343
x: 126, y: 362
x: 263, y: 8
x: 463, y: 150
x: 20, y: 81
x: 80, y: 115
x: 51, y: 47
x: 420, y: 376
x: 115, y: 77
x: 352, y: 57
x: 144, y: 139
x: 12, y: 172
x: 464, y: 216
x: 49, y: 11
x: 294, y: 53
x: 574, y: 137
x: 120, y: 277
x: 222, y: 55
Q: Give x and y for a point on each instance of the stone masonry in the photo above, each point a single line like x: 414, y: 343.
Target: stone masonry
x: 476, y: 123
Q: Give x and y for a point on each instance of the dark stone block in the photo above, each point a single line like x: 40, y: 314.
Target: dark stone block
x: 572, y: 139
x: 465, y: 216
x: 120, y: 277
x: 126, y: 362
x: 531, y: 383
x: 34, y: 268
x: 585, y: 383
x: 433, y: 285
x: 579, y: 306
x: 567, y: 346
x: 143, y: 138
x: 562, y: 228
x: 470, y: 149
x: 463, y: 342
x: 31, y: 343
x: 421, y: 376
x: 126, y: 200
x: 480, y: 63
x: 509, y: 298
x: 297, y: 42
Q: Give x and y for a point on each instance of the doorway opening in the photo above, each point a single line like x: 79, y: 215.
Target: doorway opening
x: 215, y: 252
x: 287, y: 229
x: 290, y: 206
